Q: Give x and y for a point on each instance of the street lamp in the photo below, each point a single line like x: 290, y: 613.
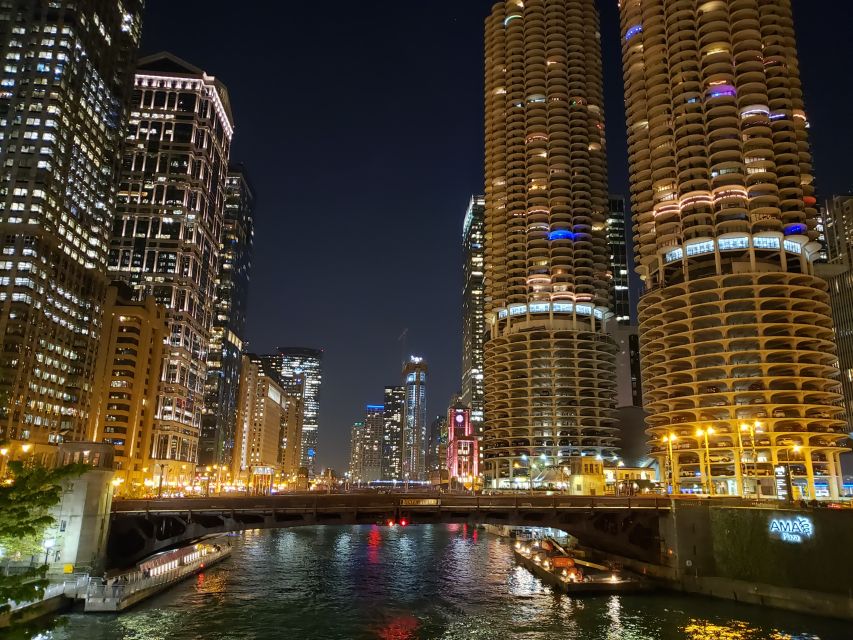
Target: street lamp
x: 705, y: 433
x: 48, y: 545
x: 669, y: 439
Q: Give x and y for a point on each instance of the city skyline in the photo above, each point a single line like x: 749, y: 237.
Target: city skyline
x: 452, y: 155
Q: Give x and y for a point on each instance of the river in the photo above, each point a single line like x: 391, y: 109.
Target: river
x: 413, y: 583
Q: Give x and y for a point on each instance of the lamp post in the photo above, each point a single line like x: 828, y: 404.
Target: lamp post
x: 4, y: 454
x: 705, y: 433
x: 162, y: 466
x: 669, y: 439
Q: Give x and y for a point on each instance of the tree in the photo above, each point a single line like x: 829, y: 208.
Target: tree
x: 26, y: 499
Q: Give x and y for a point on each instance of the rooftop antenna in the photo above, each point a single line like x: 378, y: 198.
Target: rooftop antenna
x: 402, y: 340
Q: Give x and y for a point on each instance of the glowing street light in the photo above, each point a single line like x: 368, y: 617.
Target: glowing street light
x: 669, y: 439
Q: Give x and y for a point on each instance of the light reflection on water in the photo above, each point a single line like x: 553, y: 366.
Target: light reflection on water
x: 417, y: 583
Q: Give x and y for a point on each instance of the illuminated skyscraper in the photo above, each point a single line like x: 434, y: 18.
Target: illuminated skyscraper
x: 473, y: 303
x: 356, y: 449
x: 736, y: 335
x: 549, y: 380
x: 167, y: 229
x: 617, y: 240
x: 64, y: 91
x: 371, y: 443
x: 392, y: 435
x: 229, y: 321
x: 414, y: 436
x: 300, y: 361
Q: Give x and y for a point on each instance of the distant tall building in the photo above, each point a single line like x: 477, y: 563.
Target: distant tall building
x: 617, y: 240
x: 264, y: 409
x: 436, y: 447
x: 473, y: 306
x: 356, y: 448
x: 290, y: 456
x: 462, y: 458
x: 229, y: 321
x: 371, y: 443
x: 549, y: 379
x: 166, y: 232
x: 300, y: 361
x: 736, y: 334
x: 392, y: 435
x: 127, y: 377
x: 64, y: 89
x: 839, y: 276
x: 414, y: 437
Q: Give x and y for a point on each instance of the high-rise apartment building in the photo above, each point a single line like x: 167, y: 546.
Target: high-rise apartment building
x: 737, y: 345
x: 308, y: 363
x: 228, y: 334
x: 473, y: 305
x: 414, y: 436
x: 617, y: 241
x: 264, y: 411
x: 371, y: 443
x: 291, y: 434
x: 64, y: 90
x: 839, y: 276
x: 392, y: 434
x: 166, y: 232
x: 436, y: 449
x: 127, y: 377
x: 356, y: 449
x: 548, y: 362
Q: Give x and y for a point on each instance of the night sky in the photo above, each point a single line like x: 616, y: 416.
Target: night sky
x: 361, y: 127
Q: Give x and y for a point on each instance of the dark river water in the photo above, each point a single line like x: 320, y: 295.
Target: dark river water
x: 418, y: 582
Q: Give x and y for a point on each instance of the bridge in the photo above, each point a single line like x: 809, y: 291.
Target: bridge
x: 628, y: 527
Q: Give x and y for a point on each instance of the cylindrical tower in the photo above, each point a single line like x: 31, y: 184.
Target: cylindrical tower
x: 549, y: 367
x: 739, y: 368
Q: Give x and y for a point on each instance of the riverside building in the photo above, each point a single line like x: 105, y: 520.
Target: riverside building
x: 414, y: 433
x: 64, y: 90
x: 549, y: 364
x: 740, y: 370
x: 166, y: 233
x: 127, y: 376
x: 228, y: 333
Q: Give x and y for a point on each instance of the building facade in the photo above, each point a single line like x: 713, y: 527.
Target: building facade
x: 473, y: 308
x: 308, y: 363
x: 127, y: 376
x: 291, y: 435
x: 228, y: 333
x: 262, y: 421
x: 355, y: 447
x: 64, y: 91
x: 392, y: 434
x: 617, y: 240
x: 548, y: 361
x: 414, y: 436
x: 839, y: 275
x: 166, y: 232
x: 740, y: 369
x: 463, y: 458
x: 436, y: 449
x: 372, y: 443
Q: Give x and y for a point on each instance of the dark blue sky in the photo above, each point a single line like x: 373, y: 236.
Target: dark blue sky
x: 361, y: 127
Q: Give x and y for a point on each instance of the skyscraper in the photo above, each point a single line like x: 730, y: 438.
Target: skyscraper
x: 291, y: 362
x: 736, y: 332
x: 392, y: 435
x: 839, y: 275
x: 371, y: 442
x: 548, y: 362
x: 414, y: 436
x: 64, y: 90
x: 356, y: 449
x: 617, y: 240
x: 229, y: 321
x: 166, y: 232
x: 436, y: 449
x: 262, y: 422
x: 473, y: 302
